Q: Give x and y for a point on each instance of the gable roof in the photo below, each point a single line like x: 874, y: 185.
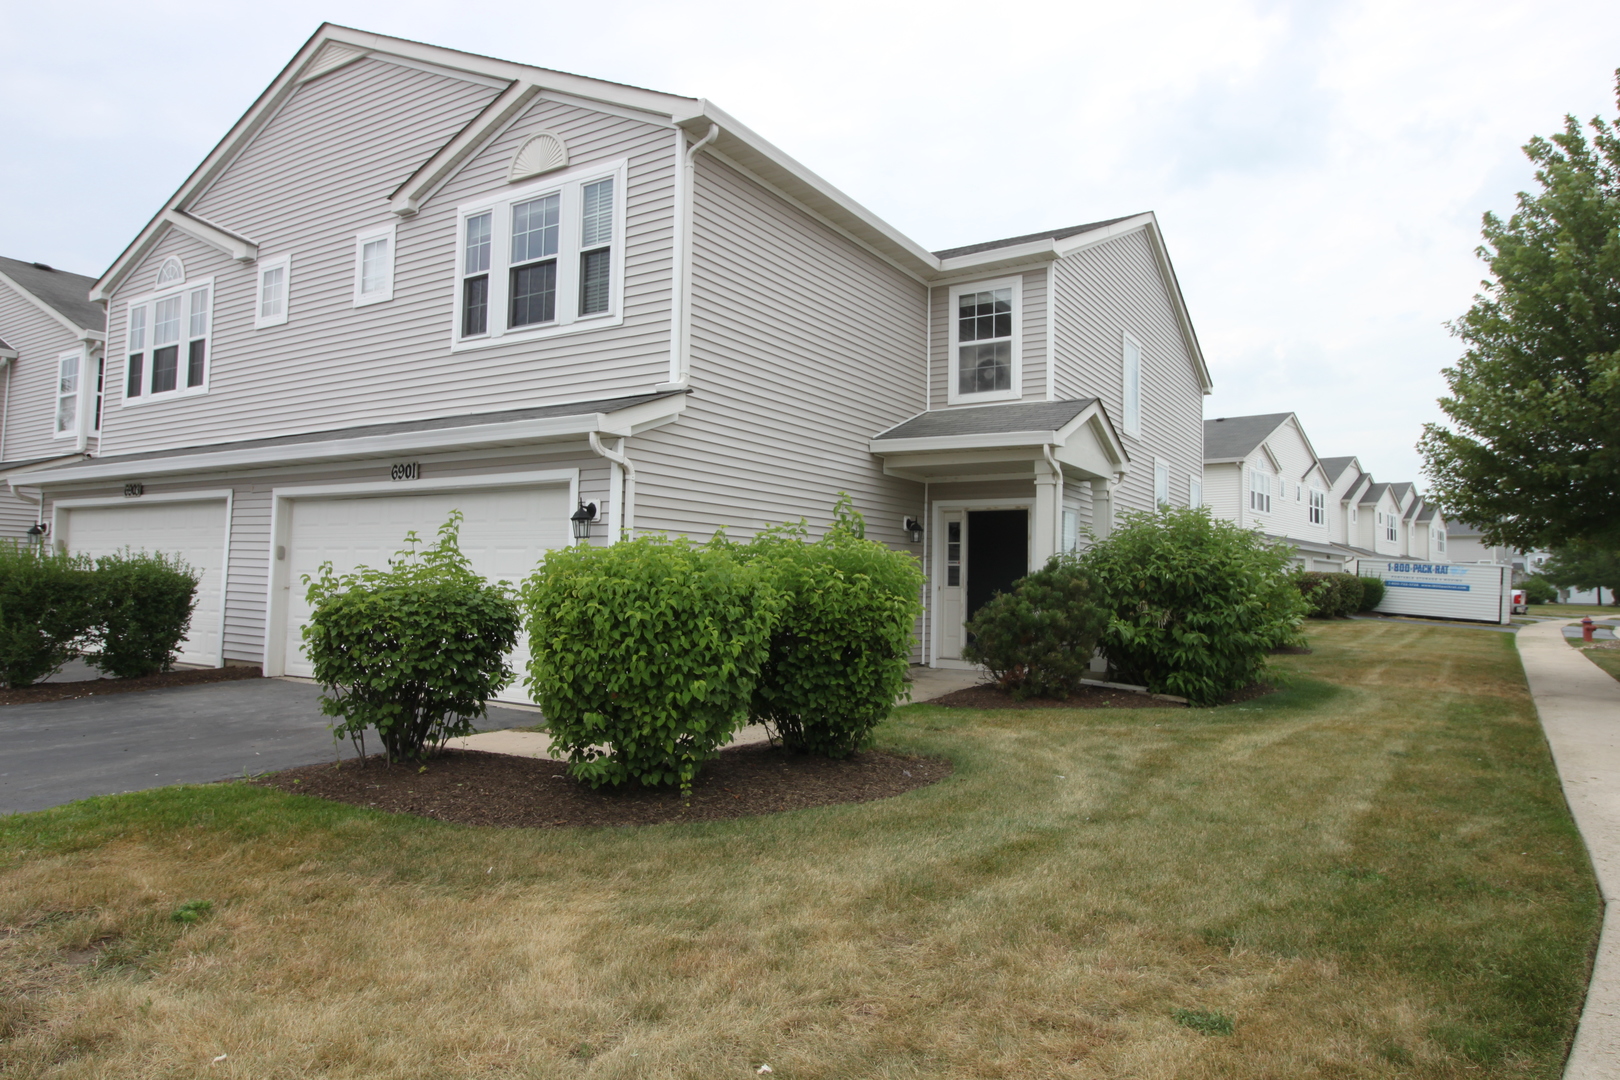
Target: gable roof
x: 1335, y: 466
x: 332, y: 46
x: 990, y: 419
x: 1051, y: 234
x: 1400, y: 489
x: 62, y: 295
x: 1233, y: 438
x: 1374, y: 492
x: 1427, y: 513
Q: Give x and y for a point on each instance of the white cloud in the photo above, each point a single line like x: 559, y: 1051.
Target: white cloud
x: 1320, y: 168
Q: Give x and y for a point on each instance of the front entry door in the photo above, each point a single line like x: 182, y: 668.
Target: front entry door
x: 985, y: 551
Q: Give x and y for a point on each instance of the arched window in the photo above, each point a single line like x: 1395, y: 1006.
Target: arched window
x: 171, y: 272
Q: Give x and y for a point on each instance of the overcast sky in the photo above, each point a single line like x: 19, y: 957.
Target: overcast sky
x: 1319, y: 168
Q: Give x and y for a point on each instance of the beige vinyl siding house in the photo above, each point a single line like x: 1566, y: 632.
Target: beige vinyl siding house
x: 1262, y: 473
x: 51, y: 339
x: 412, y: 279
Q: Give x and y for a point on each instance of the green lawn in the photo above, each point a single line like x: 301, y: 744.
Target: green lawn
x: 1575, y: 611
x: 1370, y: 874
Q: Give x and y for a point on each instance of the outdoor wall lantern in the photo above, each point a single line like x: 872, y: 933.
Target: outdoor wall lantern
x: 914, y: 527
x: 37, y: 533
x: 582, y: 519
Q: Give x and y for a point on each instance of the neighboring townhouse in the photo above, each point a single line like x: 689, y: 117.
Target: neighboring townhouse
x: 1262, y: 473
x: 412, y: 279
x: 1468, y: 545
x: 51, y: 339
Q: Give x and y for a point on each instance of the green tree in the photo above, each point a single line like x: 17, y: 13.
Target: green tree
x: 1584, y: 566
x: 1534, y: 459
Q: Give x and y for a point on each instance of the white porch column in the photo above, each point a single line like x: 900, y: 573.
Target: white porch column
x: 1048, y: 515
x: 1102, y: 507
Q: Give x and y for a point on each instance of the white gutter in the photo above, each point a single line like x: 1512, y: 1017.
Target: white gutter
x: 680, y: 257
x: 620, y: 460
x: 5, y: 410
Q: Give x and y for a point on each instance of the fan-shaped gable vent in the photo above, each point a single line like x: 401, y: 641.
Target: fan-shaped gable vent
x: 171, y: 271
x: 331, y: 57
x: 540, y: 153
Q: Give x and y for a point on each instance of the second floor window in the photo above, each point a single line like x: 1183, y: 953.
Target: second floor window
x: 1318, y: 507
x: 1390, y: 532
x: 984, y: 353
x: 543, y: 259
x: 166, y: 348
x: 1259, y: 491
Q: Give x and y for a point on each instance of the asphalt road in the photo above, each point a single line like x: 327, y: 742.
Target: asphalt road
x: 60, y: 751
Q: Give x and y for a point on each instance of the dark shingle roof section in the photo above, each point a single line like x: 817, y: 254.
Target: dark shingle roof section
x: 1374, y: 492
x: 1050, y: 234
x: 1426, y: 514
x: 578, y: 408
x: 66, y: 293
x: 990, y: 419
x: 1399, y: 489
x: 1235, y: 436
x: 1335, y: 466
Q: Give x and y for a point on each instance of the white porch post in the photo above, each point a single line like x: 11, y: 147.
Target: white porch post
x: 1048, y: 500
x: 1102, y: 507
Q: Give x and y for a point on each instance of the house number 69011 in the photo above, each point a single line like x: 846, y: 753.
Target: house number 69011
x: 409, y: 470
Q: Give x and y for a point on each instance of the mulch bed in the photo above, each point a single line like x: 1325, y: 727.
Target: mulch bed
x: 471, y: 787
x: 987, y: 696
x: 64, y: 691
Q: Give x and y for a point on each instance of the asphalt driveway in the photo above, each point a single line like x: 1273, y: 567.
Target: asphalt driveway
x: 65, y: 750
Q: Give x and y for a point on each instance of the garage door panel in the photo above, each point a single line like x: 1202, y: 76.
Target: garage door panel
x: 504, y: 534
x: 195, y: 531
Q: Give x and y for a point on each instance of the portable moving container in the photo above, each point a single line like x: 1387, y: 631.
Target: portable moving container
x: 1482, y: 592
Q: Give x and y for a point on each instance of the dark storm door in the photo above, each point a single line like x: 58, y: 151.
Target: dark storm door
x: 997, y: 553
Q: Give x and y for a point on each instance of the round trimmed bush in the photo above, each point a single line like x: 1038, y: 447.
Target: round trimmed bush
x: 47, y: 611
x: 144, y: 602
x: 1195, y: 604
x: 1330, y: 596
x: 1372, y: 593
x: 1038, y: 639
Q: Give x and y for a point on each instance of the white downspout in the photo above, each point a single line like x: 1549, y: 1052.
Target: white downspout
x: 1057, y: 473
x: 5, y: 410
x: 617, y: 457
x: 686, y: 181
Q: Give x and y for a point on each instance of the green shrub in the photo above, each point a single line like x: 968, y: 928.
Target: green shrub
x: 1195, y: 603
x: 1372, y: 593
x: 842, y: 641
x: 1330, y: 596
x: 143, y: 608
x: 47, y: 611
x: 414, y: 650
x: 1538, y: 590
x: 1038, y: 639
x: 645, y: 654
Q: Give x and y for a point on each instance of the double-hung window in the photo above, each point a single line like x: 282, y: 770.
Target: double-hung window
x: 166, y: 342
x: 1195, y: 492
x: 1161, y: 483
x: 1390, y: 531
x: 541, y: 259
x: 1259, y: 491
x: 273, y: 296
x: 984, y: 349
x: 69, y: 372
x: 1318, y: 507
x: 374, y: 266
x: 1131, y: 390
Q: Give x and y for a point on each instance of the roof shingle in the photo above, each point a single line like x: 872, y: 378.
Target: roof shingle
x: 65, y: 293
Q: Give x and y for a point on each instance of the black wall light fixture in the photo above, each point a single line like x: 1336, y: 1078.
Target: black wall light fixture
x: 914, y: 527
x: 38, y: 532
x: 582, y: 519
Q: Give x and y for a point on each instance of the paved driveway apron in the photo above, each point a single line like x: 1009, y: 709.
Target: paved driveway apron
x: 65, y: 750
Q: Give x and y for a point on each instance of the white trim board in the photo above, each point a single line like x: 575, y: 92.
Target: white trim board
x: 936, y: 521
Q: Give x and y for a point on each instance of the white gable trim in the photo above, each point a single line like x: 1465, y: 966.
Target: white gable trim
x: 233, y: 244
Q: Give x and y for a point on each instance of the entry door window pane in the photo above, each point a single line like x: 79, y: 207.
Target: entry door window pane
x: 953, y: 553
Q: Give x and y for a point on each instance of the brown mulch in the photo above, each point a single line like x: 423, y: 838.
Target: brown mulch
x: 471, y: 787
x: 1292, y: 650
x: 64, y: 691
x: 987, y: 696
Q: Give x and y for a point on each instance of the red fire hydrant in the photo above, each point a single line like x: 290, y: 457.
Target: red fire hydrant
x: 1586, y: 628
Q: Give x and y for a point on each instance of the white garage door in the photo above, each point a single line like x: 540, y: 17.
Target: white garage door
x: 504, y: 533
x: 195, y: 531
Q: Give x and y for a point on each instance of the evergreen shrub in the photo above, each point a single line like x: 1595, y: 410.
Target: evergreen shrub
x: 47, y: 611
x: 1330, y: 596
x: 1195, y: 604
x: 645, y: 654
x: 413, y: 650
x: 1538, y: 590
x: 143, y: 607
x: 841, y: 644
x: 1038, y: 639
x: 1372, y: 593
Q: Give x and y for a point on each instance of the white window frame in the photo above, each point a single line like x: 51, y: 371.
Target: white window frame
x: 1161, y: 482
x: 1318, y: 506
x: 72, y: 429
x: 283, y: 263
x: 1259, y: 491
x: 569, y: 184
x: 1440, y: 536
x: 1130, y: 386
x: 1391, y: 529
x: 361, y: 239
x: 185, y: 290
x: 953, y: 358
x: 1195, y: 491
x: 1071, y: 530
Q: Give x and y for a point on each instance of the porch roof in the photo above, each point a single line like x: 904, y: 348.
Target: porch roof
x: 1004, y: 441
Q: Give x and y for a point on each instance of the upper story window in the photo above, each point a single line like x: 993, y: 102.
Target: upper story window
x: 1440, y: 540
x: 985, y: 324
x: 68, y: 370
x: 1161, y: 483
x: 1318, y: 507
x: 1132, y: 388
x: 542, y: 259
x: 273, y: 296
x: 374, y: 266
x: 1259, y: 491
x: 1390, y: 531
x: 166, y: 342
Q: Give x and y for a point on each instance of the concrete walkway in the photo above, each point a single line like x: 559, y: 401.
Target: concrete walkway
x: 1579, y: 707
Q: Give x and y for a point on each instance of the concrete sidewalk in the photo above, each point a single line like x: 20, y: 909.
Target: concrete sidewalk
x: 1579, y: 707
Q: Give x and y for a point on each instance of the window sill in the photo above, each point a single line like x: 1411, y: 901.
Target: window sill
x: 158, y: 399
x: 520, y: 337
x: 984, y: 398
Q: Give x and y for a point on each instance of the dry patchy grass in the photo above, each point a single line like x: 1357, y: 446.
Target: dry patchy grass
x: 1371, y: 873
